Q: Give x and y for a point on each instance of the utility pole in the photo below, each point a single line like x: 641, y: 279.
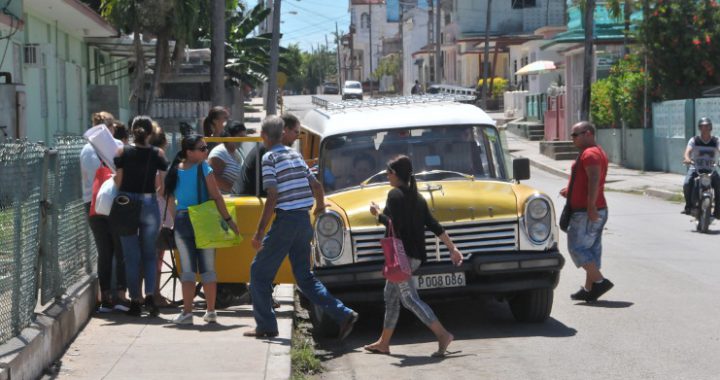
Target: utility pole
x: 370, y: 45
x: 274, y: 58
x: 438, y: 59
x: 337, y: 56
x: 401, y: 79
x: 486, y: 56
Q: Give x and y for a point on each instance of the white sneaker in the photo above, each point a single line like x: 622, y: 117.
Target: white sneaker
x: 210, y: 317
x: 183, y: 319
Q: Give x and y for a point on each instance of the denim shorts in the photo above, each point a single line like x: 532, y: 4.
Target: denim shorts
x: 585, y: 238
x: 192, y: 259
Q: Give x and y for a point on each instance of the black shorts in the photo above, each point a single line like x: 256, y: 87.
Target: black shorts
x: 165, y: 240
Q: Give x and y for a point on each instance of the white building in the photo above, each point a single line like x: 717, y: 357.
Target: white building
x: 368, y: 19
x: 415, y: 37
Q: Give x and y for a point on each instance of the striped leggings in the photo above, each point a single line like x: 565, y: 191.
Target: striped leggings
x: 405, y: 293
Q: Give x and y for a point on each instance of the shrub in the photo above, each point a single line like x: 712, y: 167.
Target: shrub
x: 499, y: 86
x: 601, y: 104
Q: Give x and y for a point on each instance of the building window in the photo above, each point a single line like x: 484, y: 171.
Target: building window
x: 520, y: 4
x: 364, y: 21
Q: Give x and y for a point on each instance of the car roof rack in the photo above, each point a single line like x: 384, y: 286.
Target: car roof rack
x: 390, y: 101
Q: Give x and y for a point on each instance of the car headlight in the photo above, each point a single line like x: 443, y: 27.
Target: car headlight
x: 328, y: 224
x: 538, y: 208
x: 538, y: 219
x: 329, y: 233
x: 331, y: 249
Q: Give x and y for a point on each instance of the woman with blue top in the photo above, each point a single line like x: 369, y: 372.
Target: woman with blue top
x: 181, y: 192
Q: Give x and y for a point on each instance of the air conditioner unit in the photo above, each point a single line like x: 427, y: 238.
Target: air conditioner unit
x: 33, y: 55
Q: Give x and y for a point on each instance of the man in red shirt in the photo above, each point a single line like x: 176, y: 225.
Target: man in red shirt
x: 589, y: 211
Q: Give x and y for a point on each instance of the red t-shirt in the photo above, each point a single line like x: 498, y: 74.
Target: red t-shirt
x: 592, y: 156
x: 101, y: 175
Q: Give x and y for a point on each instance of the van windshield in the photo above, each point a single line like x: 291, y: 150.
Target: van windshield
x: 438, y: 153
x: 355, y: 85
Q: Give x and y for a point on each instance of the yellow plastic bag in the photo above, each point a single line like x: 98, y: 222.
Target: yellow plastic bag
x: 211, y: 230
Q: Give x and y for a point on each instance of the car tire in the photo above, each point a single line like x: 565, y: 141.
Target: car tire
x: 323, y: 325
x: 532, y: 306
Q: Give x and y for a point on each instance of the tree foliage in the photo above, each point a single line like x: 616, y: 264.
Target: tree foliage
x: 620, y: 96
x: 682, y: 41
x: 308, y: 70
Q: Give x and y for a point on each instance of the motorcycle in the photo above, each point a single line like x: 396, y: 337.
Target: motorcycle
x: 702, y: 199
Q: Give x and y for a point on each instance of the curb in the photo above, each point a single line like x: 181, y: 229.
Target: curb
x: 279, y: 359
x: 655, y: 193
x: 40, y: 344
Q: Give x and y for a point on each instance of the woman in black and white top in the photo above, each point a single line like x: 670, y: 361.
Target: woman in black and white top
x: 136, y: 169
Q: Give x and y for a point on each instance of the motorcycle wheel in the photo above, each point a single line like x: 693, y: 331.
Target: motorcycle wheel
x: 704, y: 217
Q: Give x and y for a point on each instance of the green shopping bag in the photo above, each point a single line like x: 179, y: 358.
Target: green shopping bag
x: 211, y: 230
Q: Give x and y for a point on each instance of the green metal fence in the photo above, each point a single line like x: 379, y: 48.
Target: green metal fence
x: 45, y: 242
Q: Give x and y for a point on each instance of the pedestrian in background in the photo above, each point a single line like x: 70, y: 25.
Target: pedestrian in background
x: 137, y: 167
x: 290, y: 191
x: 121, y: 132
x: 589, y: 211
x: 226, y: 160
x: 214, y: 123
x: 165, y: 240
x: 408, y: 211
x: 181, y: 185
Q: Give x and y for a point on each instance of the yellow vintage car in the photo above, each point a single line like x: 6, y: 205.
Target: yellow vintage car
x: 505, y: 230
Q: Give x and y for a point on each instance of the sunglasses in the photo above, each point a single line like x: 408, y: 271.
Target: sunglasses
x: 576, y: 134
x: 203, y: 148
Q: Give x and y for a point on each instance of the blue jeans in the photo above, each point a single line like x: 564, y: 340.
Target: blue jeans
x: 585, y: 238
x: 291, y: 234
x: 192, y: 259
x: 139, y: 250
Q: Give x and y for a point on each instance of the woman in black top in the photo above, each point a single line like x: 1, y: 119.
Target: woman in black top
x: 410, y: 215
x: 136, y: 169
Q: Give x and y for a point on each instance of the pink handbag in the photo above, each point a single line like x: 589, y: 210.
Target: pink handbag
x: 397, y: 266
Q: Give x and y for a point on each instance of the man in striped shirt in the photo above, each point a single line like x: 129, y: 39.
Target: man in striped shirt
x: 290, y: 191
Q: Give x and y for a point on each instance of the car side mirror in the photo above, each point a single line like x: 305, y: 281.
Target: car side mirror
x: 521, y: 169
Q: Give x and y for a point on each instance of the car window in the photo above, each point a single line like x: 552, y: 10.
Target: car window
x: 353, y: 85
x: 438, y: 153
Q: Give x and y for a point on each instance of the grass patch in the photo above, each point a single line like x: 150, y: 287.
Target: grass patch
x: 627, y: 191
x: 302, y: 353
x: 677, y: 198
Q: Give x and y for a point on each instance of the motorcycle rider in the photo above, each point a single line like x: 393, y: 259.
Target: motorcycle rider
x: 700, y: 156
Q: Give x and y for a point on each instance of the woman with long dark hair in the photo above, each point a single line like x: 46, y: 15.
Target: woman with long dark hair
x: 181, y: 185
x: 214, y: 123
x: 410, y: 215
x: 137, y: 167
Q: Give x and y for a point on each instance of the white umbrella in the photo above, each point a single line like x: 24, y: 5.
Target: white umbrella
x: 537, y: 67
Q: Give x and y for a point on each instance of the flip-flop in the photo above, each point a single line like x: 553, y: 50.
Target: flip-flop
x: 373, y: 350
x: 439, y: 354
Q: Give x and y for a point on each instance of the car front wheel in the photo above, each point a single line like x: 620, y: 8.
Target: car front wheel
x: 532, y: 305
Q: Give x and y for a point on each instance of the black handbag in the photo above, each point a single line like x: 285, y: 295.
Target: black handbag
x: 125, y: 212
x: 125, y: 215
x: 566, y: 214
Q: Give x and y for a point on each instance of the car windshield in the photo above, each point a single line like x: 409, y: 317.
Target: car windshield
x: 352, y: 85
x: 438, y: 153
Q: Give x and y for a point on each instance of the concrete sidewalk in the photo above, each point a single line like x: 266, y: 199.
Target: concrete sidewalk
x: 656, y: 184
x: 115, y: 346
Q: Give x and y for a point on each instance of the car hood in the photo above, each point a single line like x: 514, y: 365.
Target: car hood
x: 449, y: 201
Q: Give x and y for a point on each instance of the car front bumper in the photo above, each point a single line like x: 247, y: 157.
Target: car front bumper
x: 494, y: 274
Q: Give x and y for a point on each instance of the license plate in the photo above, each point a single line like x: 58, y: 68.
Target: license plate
x: 440, y: 280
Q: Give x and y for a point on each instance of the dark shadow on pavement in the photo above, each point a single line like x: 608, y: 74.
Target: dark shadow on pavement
x: 411, y: 360
x: 202, y: 326
x: 607, y: 304
x: 469, y: 319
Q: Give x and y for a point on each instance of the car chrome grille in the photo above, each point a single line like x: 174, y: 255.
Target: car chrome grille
x: 468, y: 237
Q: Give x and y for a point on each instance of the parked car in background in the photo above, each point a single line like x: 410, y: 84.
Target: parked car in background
x: 330, y: 88
x: 352, y: 90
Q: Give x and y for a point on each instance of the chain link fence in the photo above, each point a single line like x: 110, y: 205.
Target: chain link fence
x: 45, y: 242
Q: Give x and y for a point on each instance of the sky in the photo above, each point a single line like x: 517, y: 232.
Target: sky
x: 306, y: 22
